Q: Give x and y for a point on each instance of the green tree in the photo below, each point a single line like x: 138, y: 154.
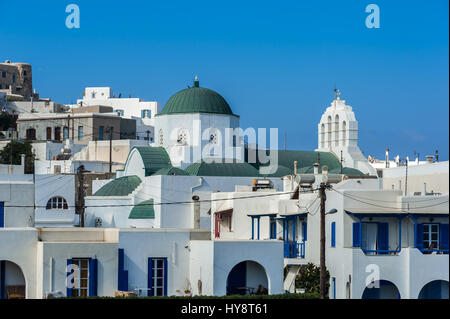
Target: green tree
x: 13, y: 151
x: 6, y: 121
x: 309, y: 279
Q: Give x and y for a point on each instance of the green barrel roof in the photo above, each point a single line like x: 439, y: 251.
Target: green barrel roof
x: 280, y: 172
x: 346, y: 171
x: 196, y: 100
x: 154, y: 158
x: 305, y: 160
x: 143, y: 210
x: 171, y: 171
x: 222, y: 169
x: 121, y: 186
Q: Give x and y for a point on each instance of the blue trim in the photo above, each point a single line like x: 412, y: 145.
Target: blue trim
x: 2, y: 279
x: 69, y: 290
x: 150, y: 277
x: 333, y: 234
x: 443, y: 236
x: 2, y: 214
x: 305, y: 231
x: 253, y: 228
x: 93, y: 278
x: 258, y: 219
x: 165, y: 277
x: 356, y: 242
x: 333, y: 281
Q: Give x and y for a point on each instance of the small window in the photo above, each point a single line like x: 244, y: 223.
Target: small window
x: 24, y: 72
x: 14, y: 78
x: 1, y: 87
x: 57, y: 202
x: 431, y: 236
x: 80, y: 133
x: 146, y: 113
x: 100, y: 133
x: 6, y: 86
x: 3, y: 74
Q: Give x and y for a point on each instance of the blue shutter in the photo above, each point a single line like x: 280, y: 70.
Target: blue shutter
x: 69, y: 290
x: 304, y: 230
x: 356, y: 242
x: 150, y: 277
x: 2, y: 214
x: 165, y: 276
x: 142, y: 113
x: 419, y: 236
x: 93, y: 277
x: 383, y: 237
x: 443, y: 236
x: 122, y: 280
x: 333, y: 234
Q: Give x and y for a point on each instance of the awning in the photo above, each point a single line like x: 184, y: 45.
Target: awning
x: 361, y: 214
x: 262, y: 215
x: 223, y: 212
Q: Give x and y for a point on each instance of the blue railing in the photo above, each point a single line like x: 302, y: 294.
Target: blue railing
x: 439, y: 251
x: 294, y: 250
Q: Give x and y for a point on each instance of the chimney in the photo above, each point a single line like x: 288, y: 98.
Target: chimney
x: 387, y: 158
x: 436, y: 156
x: 295, y: 168
x: 316, y: 168
x: 195, y: 216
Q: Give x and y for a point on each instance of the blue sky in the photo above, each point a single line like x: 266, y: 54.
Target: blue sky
x: 276, y: 62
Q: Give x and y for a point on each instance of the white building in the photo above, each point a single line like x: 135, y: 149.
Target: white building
x: 142, y: 111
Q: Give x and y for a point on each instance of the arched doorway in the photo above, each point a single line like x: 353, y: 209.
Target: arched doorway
x: 381, y: 289
x: 12, y: 281
x: 246, y: 277
x: 437, y: 289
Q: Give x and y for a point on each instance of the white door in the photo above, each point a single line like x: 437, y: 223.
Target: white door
x: 369, y: 236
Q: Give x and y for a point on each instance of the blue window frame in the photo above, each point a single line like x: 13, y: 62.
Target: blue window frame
x: 84, y: 280
x: 80, y: 133
x: 333, y: 234
x: 100, y: 133
x: 2, y: 214
x: 273, y: 228
x: 157, y: 276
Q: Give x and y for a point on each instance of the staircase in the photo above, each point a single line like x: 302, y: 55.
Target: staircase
x: 289, y: 281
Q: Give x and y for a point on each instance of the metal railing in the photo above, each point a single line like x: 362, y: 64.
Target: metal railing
x: 294, y: 250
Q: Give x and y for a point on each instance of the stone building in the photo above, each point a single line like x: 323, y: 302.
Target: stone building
x: 80, y: 127
x: 16, y: 78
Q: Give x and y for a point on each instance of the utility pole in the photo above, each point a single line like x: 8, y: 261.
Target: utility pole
x: 110, y: 148
x: 322, y: 239
x: 148, y: 135
x: 81, y: 194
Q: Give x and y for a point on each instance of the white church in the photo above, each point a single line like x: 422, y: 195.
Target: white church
x: 175, y: 222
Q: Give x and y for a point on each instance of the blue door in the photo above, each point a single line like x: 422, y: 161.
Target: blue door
x: 2, y: 214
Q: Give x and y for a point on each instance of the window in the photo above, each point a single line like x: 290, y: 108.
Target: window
x: 81, y: 278
x: 57, y: 202
x: 3, y: 74
x: 157, y: 277
x: 80, y: 133
x: 273, y: 228
x: 100, y: 133
x: 333, y: 234
x: 6, y: 86
x: 431, y: 236
x: 120, y: 112
x: 336, y: 130
x: 146, y: 113
x: 65, y: 133
x: 57, y: 133
x: 14, y: 78
x: 1, y: 86
x: 24, y: 72
x: 31, y: 134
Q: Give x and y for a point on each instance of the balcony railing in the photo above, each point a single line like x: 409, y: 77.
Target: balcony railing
x: 294, y: 250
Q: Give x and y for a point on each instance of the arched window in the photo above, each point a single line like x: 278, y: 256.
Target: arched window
x: 57, y: 202
x: 336, y: 130
x: 329, y: 131
x: 344, y: 130
x: 322, y: 135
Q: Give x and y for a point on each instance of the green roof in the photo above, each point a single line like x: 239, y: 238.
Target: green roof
x: 143, y: 210
x: 280, y: 172
x: 305, y: 160
x: 196, y: 100
x: 154, y: 158
x: 170, y: 171
x: 346, y: 171
x: 222, y: 169
x: 121, y: 186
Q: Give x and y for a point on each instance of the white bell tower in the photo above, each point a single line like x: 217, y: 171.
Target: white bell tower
x: 338, y: 133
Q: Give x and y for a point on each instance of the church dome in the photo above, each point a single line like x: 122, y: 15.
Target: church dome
x: 196, y: 100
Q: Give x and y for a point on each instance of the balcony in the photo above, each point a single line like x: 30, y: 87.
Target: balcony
x: 294, y: 250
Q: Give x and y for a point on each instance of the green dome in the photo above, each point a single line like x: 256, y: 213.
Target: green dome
x: 280, y: 172
x: 143, y: 210
x: 121, y: 186
x: 171, y: 171
x: 196, y: 100
x: 346, y: 171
